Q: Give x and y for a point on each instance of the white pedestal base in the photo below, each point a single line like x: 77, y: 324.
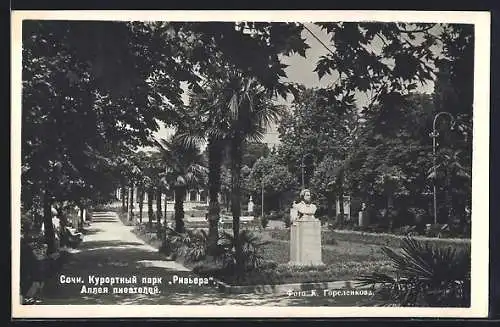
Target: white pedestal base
x: 305, y: 242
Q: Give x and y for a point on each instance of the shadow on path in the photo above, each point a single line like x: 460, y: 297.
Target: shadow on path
x: 110, y: 249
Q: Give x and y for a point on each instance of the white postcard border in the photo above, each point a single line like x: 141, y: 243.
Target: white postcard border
x: 480, y: 183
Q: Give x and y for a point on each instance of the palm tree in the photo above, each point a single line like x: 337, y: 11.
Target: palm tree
x: 231, y: 109
x: 248, y: 109
x: 207, y: 123
x: 142, y: 161
x: 184, y: 167
x: 134, y: 175
x: 150, y: 174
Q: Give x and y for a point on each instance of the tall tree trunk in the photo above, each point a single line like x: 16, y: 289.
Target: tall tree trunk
x: 330, y: 198
x: 236, y: 197
x: 141, y: 202
x: 131, y: 212
x: 228, y: 200
x: 340, y: 214
x: 180, y: 193
x: 158, y: 212
x: 47, y: 222
x: 82, y: 216
x: 165, y: 211
x: 214, y: 188
x: 158, y: 206
x: 150, y: 207
x: 390, y: 209
x: 448, y: 200
x: 122, y: 194
x: 62, y: 217
x: 127, y: 198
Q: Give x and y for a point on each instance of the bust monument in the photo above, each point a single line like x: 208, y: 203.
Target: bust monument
x: 305, y: 209
x: 363, y: 216
x: 305, y: 233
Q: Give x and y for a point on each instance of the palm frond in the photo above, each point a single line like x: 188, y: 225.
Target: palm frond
x: 191, y: 139
x: 426, y: 275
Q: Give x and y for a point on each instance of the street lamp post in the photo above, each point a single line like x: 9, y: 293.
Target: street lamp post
x: 302, y: 168
x: 434, y: 134
x: 262, y: 199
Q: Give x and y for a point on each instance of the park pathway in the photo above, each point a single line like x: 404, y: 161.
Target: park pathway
x: 110, y: 249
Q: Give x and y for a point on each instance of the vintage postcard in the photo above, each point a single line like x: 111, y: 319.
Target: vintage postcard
x: 250, y: 164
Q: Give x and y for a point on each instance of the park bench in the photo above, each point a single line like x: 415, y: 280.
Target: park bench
x: 245, y: 221
x: 70, y: 236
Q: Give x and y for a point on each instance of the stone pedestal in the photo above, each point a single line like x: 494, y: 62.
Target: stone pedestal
x: 305, y: 242
x: 362, y: 219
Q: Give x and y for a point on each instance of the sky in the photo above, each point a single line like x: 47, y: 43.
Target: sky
x: 301, y: 70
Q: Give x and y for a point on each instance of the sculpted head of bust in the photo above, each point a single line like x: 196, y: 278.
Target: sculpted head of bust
x: 305, y: 207
x: 305, y: 195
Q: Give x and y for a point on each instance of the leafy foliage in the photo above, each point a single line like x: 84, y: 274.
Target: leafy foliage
x: 277, y: 181
x: 193, y: 245
x: 252, y: 248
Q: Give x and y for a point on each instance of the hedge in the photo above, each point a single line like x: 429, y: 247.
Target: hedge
x: 383, y: 239
x: 392, y: 240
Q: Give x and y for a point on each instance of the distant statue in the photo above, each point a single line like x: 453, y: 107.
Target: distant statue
x: 363, y: 216
x: 250, y: 205
x: 305, y: 209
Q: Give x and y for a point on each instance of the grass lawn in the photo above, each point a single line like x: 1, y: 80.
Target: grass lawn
x: 342, y: 252
x: 343, y: 261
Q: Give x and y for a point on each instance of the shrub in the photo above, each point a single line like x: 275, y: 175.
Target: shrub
x: 191, y: 245
x: 264, y: 221
x: 433, y: 230
x: 340, y: 224
x: 427, y: 276
x: 287, y: 220
x: 268, y: 265
x: 252, y: 250
x: 406, y: 230
x: 277, y: 215
x: 169, y: 248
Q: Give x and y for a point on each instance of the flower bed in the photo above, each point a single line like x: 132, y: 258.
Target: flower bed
x: 148, y: 234
x: 341, y: 264
x: 123, y: 217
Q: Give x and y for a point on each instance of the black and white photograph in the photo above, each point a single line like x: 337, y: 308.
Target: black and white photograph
x: 248, y: 163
